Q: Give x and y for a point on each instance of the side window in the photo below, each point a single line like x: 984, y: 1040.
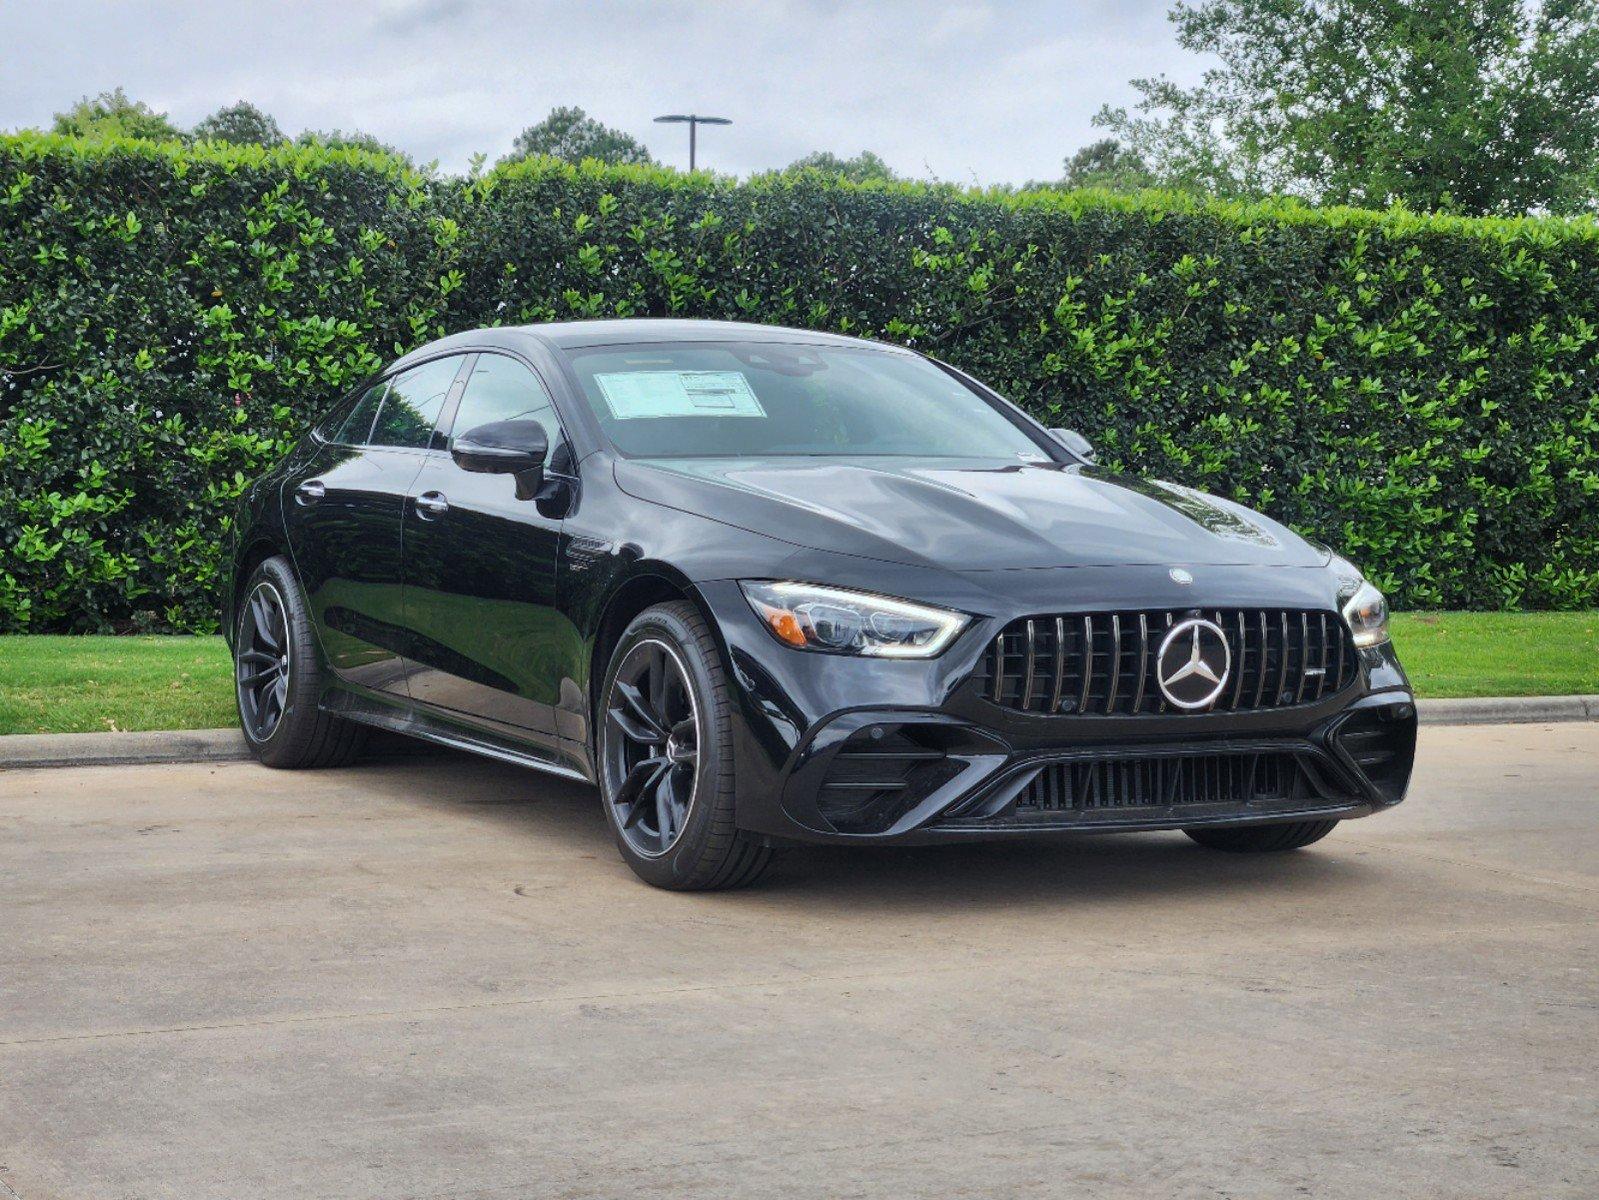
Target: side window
x: 414, y: 401
x: 358, y: 425
x: 333, y: 420
x: 502, y: 389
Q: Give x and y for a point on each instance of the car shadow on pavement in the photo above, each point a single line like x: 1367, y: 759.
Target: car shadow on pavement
x: 1078, y: 871
x: 563, y: 817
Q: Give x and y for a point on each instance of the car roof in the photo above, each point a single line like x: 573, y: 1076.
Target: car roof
x: 567, y: 335
x: 649, y: 330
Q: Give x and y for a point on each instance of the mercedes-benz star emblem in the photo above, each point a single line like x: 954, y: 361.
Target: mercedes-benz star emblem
x: 1193, y: 663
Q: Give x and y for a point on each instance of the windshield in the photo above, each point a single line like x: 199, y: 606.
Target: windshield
x: 760, y: 399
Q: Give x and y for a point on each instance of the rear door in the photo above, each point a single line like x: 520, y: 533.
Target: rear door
x: 480, y: 567
x: 343, y: 512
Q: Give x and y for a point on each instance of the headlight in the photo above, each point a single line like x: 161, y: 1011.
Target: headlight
x: 810, y: 617
x: 1367, y: 614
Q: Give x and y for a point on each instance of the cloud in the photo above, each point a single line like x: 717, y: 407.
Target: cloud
x: 411, y: 16
x: 967, y: 90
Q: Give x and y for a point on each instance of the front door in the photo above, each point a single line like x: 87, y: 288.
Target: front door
x: 480, y: 571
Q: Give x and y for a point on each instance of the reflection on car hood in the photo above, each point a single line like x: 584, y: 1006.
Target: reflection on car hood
x: 969, y: 516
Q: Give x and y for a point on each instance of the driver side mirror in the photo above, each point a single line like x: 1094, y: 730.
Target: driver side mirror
x: 1080, y: 446
x: 505, y: 448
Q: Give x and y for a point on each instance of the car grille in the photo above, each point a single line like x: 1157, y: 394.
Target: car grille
x: 1171, y: 780
x: 1105, y: 663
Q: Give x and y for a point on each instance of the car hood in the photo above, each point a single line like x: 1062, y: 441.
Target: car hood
x: 969, y: 516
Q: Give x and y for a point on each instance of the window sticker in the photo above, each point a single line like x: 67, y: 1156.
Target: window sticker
x: 633, y: 395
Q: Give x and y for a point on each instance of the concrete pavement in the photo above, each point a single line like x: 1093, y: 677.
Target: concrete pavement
x: 434, y: 978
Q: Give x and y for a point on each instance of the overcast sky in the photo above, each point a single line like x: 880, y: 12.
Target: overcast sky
x: 970, y: 92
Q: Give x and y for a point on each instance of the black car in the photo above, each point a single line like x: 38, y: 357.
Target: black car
x: 766, y: 586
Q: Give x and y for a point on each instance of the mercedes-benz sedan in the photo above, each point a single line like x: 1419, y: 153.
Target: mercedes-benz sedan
x: 765, y: 586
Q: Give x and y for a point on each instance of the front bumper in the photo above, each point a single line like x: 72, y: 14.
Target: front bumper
x: 838, y: 749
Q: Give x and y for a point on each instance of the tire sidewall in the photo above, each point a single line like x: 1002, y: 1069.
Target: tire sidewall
x: 678, y: 863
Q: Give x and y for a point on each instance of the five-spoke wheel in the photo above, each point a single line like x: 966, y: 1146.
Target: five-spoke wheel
x: 665, y: 755
x: 652, y: 746
x: 279, y: 677
x: 261, y: 665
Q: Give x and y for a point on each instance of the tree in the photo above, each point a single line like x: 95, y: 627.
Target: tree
x: 338, y: 139
x: 1107, y: 164
x: 1475, y: 106
x: 113, y: 114
x: 242, y: 124
x: 862, y: 167
x: 572, y: 135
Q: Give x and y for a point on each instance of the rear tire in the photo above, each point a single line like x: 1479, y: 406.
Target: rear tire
x: 1262, y: 839
x: 676, y: 749
x: 278, y: 677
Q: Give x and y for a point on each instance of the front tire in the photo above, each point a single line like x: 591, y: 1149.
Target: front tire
x: 278, y: 677
x: 666, y: 757
x: 1263, y: 839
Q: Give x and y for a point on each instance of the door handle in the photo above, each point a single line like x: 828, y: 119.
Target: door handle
x: 431, y: 504
x: 309, y: 492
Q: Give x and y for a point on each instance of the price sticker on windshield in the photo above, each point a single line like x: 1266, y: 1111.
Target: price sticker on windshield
x: 636, y: 395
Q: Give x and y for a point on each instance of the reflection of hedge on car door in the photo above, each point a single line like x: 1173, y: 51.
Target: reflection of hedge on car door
x: 1417, y: 391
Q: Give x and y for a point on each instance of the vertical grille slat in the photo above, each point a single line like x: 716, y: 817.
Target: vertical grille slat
x: 1241, y: 650
x: 1304, y: 657
x: 1080, y: 663
x: 1326, y: 655
x: 1115, y: 662
x: 1088, y: 663
x: 1321, y: 680
x: 1027, y: 677
x: 1059, y: 664
x: 1161, y: 706
x: 1282, y: 663
x: 1341, y: 680
x: 1143, y: 663
x: 1265, y: 657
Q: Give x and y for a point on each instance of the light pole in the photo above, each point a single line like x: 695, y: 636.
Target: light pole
x: 693, y: 121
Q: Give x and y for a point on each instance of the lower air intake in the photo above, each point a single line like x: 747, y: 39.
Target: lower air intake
x: 1381, y: 742
x: 880, y: 774
x: 1175, y: 780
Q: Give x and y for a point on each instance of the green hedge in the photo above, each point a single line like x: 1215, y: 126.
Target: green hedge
x: 1422, y: 393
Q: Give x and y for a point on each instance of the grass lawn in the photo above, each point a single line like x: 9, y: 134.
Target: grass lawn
x: 1499, y: 654
x: 79, y: 684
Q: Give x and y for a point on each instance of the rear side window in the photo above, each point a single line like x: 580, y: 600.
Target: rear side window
x: 333, y: 420
x: 502, y: 389
x: 413, y: 404
x: 358, y: 425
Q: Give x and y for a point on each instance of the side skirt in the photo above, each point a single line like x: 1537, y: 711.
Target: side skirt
x: 397, y: 716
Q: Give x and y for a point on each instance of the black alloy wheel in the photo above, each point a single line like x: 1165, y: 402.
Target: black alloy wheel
x: 664, y: 722
x: 279, y: 678
x: 652, y: 747
x: 261, y: 667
